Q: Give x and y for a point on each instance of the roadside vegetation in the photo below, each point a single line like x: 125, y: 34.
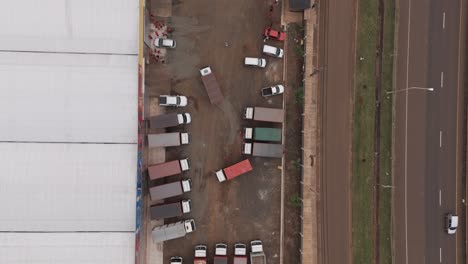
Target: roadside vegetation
x: 372, y: 133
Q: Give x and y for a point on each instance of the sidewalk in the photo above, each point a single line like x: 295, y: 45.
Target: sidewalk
x: 310, y: 145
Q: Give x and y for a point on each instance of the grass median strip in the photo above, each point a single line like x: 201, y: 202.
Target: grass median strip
x: 386, y: 115
x: 365, y: 137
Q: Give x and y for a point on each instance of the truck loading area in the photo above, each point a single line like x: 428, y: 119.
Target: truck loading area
x: 247, y: 207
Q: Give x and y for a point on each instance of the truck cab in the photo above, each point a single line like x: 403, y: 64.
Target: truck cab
x: 186, y: 206
x: 187, y: 185
x: 247, y: 148
x: 185, y: 138
x: 256, y: 246
x: 240, y: 249
x: 200, y: 251
x: 248, y: 113
x: 184, y: 118
x: 189, y: 225
x: 176, y: 260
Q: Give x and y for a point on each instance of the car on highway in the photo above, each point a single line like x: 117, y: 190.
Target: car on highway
x: 255, y: 62
x: 451, y: 223
x: 165, y: 43
x: 273, y: 51
x: 278, y: 35
x: 173, y: 100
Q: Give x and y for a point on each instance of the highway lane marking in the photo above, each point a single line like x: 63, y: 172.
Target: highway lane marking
x: 406, y: 131
x: 440, y: 138
x: 440, y: 255
x: 443, y: 20
x: 441, y: 79
x: 440, y: 197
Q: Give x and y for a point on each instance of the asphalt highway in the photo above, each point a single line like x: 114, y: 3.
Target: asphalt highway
x: 427, y: 129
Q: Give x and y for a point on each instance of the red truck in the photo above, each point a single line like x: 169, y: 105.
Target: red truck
x: 233, y: 171
x: 169, y: 168
x: 211, y: 85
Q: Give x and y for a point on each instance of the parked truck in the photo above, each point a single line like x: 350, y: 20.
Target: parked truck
x: 263, y: 134
x: 220, y: 254
x: 240, y: 254
x: 264, y: 114
x: 263, y: 150
x: 176, y: 260
x: 170, y: 189
x: 211, y: 85
x: 168, y: 168
x: 233, y: 171
x: 169, y: 120
x: 173, y: 230
x: 168, y: 139
x: 168, y: 210
x: 257, y: 256
x: 200, y: 255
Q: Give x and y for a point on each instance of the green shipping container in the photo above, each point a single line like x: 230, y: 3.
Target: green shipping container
x: 267, y: 134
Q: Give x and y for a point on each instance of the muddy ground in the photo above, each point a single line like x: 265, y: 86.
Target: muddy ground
x: 220, y: 34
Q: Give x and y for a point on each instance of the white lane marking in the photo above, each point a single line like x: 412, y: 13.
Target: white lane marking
x: 440, y: 197
x: 440, y: 255
x: 443, y: 20
x: 440, y: 139
x: 441, y: 79
x: 406, y: 131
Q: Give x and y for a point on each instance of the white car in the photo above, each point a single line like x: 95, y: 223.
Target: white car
x: 165, y: 43
x: 273, y: 51
x: 173, y: 100
x: 451, y: 223
x: 273, y: 90
x: 255, y: 62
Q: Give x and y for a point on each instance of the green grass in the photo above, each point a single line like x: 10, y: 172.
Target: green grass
x: 363, y: 132
x: 386, y: 115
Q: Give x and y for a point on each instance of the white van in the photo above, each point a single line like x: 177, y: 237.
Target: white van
x: 255, y: 62
x: 273, y: 51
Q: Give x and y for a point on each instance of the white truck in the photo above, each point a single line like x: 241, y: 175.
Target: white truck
x: 272, y: 90
x: 220, y: 254
x: 264, y: 114
x: 176, y: 260
x: 173, y: 100
x: 240, y: 254
x: 200, y: 255
x: 168, y: 139
x: 173, y: 230
x: 257, y: 256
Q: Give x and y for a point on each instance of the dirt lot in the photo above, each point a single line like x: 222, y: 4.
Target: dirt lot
x: 248, y: 207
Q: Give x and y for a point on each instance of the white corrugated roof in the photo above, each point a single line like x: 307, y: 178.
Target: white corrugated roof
x: 55, y: 97
x: 67, y: 187
x: 83, y: 26
x: 68, y: 248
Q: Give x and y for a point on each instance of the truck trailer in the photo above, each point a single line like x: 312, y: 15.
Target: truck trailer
x: 169, y: 168
x: 263, y: 150
x: 168, y: 139
x: 169, y: 120
x: 240, y: 254
x: 200, y: 255
x: 173, y: 230
x: 168, y: 210
x: 257, y: 256
x: 264, y: 114
x: 233, y: 171
x: 170, y: 189
x: 211, y: 85
x: 263, y: 134
x: 220, y: 254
